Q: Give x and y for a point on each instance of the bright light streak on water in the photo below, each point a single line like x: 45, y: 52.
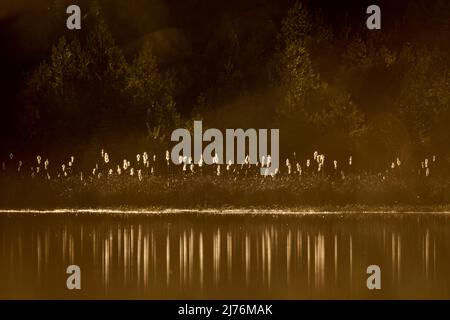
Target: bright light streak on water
x: 193, y: 254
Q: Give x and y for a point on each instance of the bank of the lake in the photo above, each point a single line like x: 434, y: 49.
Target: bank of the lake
x: 355, y: 191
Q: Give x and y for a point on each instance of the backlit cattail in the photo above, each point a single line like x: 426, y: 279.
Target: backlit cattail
x: 275, y: 172
x: 229, y: 165
x: 288, y: 165
x: 322, y: 159
x: 216, y: 158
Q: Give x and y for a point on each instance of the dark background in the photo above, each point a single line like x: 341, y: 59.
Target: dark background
x: 225, y: 61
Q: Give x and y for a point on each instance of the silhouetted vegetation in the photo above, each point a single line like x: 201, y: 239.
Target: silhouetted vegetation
x: 150, y: 181
x: 316, y: 73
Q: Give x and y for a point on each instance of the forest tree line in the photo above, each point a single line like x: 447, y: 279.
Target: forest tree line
x: 334, y: 87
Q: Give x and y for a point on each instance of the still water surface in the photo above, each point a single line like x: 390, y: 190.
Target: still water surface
x: 198, y: 256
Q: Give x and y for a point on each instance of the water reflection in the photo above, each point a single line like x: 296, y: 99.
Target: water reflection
x: 192, y: 256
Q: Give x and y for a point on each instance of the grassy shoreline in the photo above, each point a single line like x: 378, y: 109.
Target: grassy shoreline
x: 355, y: 193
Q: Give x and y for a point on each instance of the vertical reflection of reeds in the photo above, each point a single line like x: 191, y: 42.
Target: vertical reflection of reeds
x: 263, y: 256
x: 229, y: 255
x: 154, y: 255
x: 180, y: 261
x: 426, y: 250
x: 185, y: 257
x: 64, y: 243
x: 247, y: 259
x: 269, y: 257
x: 308, y: 253
x: 131, y: 252
x: 395, y: 256
x: 191, y: 256
x: 216, y: 257
x: 319, y: 261
x: 399, y: 257
x: 138, y: 254
x: 434, y: 258
x: 105, y: 262
x: 168, y: 259
x: 288, y: 256
x: 71, y: 249
x: 20, y: 251
x: 200, y: 250
x: 125, y: 255
x: 351, y: 262
x: 146, y: 255
x: 39, y: 256
x: 46, y: 247
x: 81, y: 238
x: 335, y: 258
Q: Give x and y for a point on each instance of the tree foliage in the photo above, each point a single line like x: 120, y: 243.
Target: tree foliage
x: 88, y: 90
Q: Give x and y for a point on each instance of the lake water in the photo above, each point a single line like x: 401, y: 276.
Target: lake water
x: 209, y: 256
